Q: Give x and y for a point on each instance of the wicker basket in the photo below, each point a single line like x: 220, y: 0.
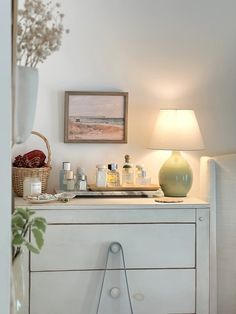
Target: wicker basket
x: 19, y: 173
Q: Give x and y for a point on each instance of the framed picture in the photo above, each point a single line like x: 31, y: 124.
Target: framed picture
x: 96, y: 117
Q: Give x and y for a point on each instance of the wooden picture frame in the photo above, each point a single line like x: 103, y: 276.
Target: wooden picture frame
x: 95, y: 117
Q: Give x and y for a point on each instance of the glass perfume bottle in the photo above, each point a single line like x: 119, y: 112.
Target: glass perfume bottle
x: 70, y: 180
x: 127, y: 172
x: 101, y: 176
x: 113, y: 176
x: 66, y: 166
x: 82, y: 183
x: 138, y: 174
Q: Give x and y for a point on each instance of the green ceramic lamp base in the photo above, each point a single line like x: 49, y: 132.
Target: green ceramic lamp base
x: 175, y: 176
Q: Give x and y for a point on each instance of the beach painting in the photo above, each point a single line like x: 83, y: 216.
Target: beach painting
x: 96, y: 117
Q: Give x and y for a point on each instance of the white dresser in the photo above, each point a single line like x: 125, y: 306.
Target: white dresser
x: 166, y: 249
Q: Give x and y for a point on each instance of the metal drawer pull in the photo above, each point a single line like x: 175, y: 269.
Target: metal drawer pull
x: 115, y: 292
x: 114, y: 248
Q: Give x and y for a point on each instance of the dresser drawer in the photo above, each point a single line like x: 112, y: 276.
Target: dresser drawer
x: 83, y: 247
x: 152, y: 292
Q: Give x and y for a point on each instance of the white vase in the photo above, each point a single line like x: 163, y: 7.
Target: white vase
x: 18, y: 287
x: 25, y: 102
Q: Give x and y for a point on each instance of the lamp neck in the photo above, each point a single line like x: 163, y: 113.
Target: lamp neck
x: 176, y: 154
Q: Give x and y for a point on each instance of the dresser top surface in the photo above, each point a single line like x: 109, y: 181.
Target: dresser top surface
x: 114, y: 203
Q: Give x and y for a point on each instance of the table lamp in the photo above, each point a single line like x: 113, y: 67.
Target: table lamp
x: 176, y: 130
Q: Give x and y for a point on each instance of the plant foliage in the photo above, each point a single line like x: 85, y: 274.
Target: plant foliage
x: 23, y: 220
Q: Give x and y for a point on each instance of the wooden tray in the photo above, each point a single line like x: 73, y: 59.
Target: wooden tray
x: 150, y: 187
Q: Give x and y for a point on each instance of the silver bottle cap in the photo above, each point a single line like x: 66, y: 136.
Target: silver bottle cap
x: 83, y: 177
x: 114, y: 166
x: 66, y: 165
x: 80, y: 170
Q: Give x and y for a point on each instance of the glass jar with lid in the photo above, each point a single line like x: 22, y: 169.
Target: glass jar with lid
x: 101, y: 176
x: 32, y: 186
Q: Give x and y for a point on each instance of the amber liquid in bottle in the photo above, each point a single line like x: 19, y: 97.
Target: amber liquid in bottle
x: 113, y: 176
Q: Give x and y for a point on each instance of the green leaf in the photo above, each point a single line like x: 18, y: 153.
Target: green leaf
x: 32, y: 248
x: 16, y: 230
x: 41, y: 219
x: 22, y: 221
x: 38, y: 237
x: 17, y: 220
x: 39, y: 224
x: 17, y: 240
x: 31, y: 212
x: 24, y: 212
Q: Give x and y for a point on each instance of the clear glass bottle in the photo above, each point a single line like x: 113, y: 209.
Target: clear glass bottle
x: 138, y: 174
x: 80, y: 172
x: 66, y: 166
x: 101, y: 176
x: 70, y: 181
x: 113, y: 176
x: 82, y: 183
x: 81, y: 175
x: 127, y: 172
x: 144, y: 179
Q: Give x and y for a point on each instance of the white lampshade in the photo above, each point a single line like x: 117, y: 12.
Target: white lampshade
x: 176, y: 130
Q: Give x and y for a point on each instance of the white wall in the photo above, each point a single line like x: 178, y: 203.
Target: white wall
x: 164, y: 53
x: 5, y: 161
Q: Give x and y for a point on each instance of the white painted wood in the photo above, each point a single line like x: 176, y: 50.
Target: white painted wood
x: 226, y: 233
x: 26, y: 276
x: 5, y: 155
x: 116, y: 210
x: 145, y: 245
x: 152, y: 291
x: 213, y: 248
x: 119, y: 215
x: 76, y: 245
x: 208, y: 192
x: 202, y: 261
x: 116, y: 203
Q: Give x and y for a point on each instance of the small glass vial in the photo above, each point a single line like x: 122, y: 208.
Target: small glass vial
x: 81, y: 176
x: 32, y: 186
x: 66, y: 166
x: 80, y: 172
x: 70, y: 180
x: 101, y: 176
x: 138, y: 174
x: 82, y: 183
x: 113, y: 176
x: 144, y: 180
x: 127, y: 172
